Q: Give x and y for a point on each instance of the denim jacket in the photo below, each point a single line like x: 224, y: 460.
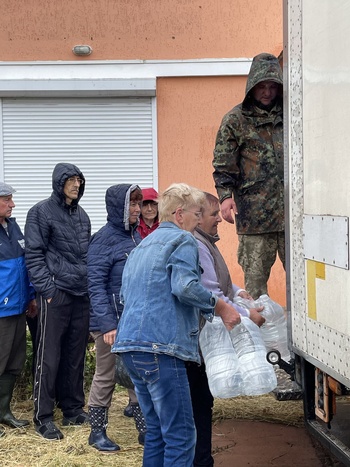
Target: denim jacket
x: 163, y: 296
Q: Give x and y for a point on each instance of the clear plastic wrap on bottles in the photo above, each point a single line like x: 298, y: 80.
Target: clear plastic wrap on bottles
x: 274, y: 330
x: 257, y: 374
x: 244, y: 302
x: 220, y: 360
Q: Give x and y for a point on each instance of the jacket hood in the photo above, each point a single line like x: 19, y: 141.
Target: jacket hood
x: 118, y: 204
x: 60, y: 174
x: 149, y: 194
x: 265, y: 67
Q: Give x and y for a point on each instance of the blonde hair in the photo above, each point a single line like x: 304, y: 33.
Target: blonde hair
x: 178, y: 195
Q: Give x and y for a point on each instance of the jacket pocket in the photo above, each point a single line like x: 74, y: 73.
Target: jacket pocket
x: 250, y: 186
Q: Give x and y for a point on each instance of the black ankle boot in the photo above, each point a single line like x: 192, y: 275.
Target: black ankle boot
x: 98, y: 438
x: 7, y: 383
x: 128, y: 410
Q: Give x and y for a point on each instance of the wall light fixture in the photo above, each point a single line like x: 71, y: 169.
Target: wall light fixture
x: 82, y: 50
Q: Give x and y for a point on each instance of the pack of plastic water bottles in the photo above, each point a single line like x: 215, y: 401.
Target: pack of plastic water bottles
x: 236, y: 360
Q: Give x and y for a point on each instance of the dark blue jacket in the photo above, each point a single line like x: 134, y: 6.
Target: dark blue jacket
x: 108, y: 251
x: 15, y: 290
x: 57, y: 237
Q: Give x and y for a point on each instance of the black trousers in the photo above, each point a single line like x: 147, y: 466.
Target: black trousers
x: 63, y: 330
x: 202, y: 404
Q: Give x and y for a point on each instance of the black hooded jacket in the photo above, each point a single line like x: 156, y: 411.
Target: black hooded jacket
x: 57, y: 237
x: 108, y: 251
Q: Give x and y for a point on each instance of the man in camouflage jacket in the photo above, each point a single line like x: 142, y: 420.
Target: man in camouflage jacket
x: 248, y: 165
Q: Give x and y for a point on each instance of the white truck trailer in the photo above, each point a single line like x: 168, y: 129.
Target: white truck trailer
x: 316, y: 65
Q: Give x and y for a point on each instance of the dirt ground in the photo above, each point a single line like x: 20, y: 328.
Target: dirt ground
x: 241, y: 443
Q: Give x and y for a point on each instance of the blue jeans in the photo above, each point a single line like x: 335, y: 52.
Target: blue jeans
x: 162, y: 389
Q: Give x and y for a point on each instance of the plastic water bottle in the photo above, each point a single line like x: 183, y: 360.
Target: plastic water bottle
x: 244, y: 302
x: 274, y: 330
x: 220, y: 360
x: 257, y: 374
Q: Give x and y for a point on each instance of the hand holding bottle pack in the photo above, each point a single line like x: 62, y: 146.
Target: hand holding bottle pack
x: 220, y: 359
x: 236, y: 360
x: 274, y: 330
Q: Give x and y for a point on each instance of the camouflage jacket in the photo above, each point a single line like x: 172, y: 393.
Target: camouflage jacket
x: 248, y: 156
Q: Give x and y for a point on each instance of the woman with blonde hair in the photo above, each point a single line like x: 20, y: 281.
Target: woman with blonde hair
x: 158, y: 331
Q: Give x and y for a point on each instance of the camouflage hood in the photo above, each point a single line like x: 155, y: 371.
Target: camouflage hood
x: 265, y: 67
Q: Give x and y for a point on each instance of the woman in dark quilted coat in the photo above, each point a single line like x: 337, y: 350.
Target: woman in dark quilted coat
x: 108, y: 251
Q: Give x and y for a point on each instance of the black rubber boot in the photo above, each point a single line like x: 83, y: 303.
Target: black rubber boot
x: 139, y: 422
x: 7, y: 383
x: 98, y: 438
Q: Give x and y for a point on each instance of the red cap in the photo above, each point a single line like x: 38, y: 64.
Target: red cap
x: 149, y: 194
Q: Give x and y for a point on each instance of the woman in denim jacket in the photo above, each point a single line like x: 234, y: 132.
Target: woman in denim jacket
x: 159, y: 328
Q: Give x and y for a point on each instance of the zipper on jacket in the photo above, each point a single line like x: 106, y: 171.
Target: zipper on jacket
x: 132, y: 236
x: 115, y: 306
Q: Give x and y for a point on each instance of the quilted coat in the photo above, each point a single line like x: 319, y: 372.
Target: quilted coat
x: 108, y: 251
x: 56, y: 239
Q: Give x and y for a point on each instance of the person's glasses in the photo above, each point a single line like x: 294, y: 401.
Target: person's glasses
x: 75, y: 179
x: 198, y: 214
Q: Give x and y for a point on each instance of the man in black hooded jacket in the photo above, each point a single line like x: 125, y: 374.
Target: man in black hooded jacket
x: 57, y: 234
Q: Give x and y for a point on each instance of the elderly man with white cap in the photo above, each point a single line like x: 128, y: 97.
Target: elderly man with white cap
x: 16, y: 300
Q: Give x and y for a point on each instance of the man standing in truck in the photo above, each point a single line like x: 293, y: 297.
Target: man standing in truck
x: 248, y: 172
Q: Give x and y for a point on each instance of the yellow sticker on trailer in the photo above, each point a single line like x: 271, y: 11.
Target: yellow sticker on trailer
x: 314, y: 270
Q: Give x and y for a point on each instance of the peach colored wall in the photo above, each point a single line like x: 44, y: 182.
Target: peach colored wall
x: 189, y: 109
x: 189, y: 114
x: 139, y: 29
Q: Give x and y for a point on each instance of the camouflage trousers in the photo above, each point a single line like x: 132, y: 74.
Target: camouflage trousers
x: 256, y: 255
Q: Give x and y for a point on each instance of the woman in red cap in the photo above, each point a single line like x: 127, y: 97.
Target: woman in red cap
x: 149, y: 212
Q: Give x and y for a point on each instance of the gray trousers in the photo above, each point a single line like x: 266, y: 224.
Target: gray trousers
x: 103, y: 382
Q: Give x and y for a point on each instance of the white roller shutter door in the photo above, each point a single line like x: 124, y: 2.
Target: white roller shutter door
x: 111, y: 140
